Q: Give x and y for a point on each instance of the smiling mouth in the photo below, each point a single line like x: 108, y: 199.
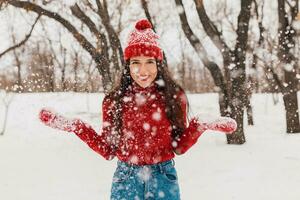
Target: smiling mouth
x: 143, y: 78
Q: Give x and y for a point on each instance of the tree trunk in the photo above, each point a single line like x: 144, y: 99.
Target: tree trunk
x: 238, y: 74
x: 286, y: 35
x: 63, y: 71
x: 292, y: 114
x: 249, y: 112
x: 76, y: 63
x: 238, y: 114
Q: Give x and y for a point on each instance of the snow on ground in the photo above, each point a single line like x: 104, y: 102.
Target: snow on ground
x: 38, y: 162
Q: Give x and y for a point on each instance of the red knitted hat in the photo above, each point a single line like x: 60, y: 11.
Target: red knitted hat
x: 143, y: 41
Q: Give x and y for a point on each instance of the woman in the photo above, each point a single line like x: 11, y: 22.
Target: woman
x: 144, y: 123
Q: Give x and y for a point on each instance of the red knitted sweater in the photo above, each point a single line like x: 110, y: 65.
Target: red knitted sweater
x: 146, y: 130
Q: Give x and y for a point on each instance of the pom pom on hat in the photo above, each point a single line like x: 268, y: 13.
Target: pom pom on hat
x: 143, y: 24
x: 143, y: 41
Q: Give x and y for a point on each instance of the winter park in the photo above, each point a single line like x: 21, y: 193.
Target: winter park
x: 149, y: 100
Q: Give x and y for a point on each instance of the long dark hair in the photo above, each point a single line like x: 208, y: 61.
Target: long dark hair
x: 168, y: 88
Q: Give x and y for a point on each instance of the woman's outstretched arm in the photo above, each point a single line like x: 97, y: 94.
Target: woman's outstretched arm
x: 102, y: 143
x: 196, y: 127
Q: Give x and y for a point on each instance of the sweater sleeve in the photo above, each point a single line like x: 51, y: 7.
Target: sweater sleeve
x: 191, y: 132
x: 103, y: 143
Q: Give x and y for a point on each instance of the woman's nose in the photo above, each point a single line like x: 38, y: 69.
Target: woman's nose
x: 143, y: 68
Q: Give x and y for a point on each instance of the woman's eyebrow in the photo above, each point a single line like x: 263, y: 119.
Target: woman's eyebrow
x: 134, y: 60
x: 151, y: 60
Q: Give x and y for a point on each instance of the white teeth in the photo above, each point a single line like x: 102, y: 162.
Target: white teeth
x: 143, y: 77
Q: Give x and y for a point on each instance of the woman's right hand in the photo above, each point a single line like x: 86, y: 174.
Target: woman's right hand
x: 57, y: 121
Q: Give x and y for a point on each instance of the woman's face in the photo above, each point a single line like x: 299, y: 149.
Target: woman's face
x: 143, y: 70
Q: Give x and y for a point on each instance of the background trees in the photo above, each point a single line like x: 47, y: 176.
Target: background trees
x: 210, y: 46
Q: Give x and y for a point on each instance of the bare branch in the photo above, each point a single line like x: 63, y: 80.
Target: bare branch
x: 260, y: 20
x: 51, y: 47
x: 112, y: 35
x: 78, y: 36
x: 193, y: 39
x: 274, y: 74
x: 77, y: 12
x: 99, y: 58
x: 201, y: 51
x: 227, y: 19
x: 23, y: 41
x: 211, y: 30
x: 148, y: 16
x: 147, y: 13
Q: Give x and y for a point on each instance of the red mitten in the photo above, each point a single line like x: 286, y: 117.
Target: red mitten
x: 57, y: 121
x: 223, y: 124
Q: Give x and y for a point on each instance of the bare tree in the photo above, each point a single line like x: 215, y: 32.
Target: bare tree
x: 232, y: 84
x: 6, y: 99
x: 18, y: 65
x: 286, y: 62
x: 19, y: 87
x: 61, y: 64
x: 98, y: 52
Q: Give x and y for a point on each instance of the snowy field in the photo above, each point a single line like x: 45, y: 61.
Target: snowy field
x: 38, y: 162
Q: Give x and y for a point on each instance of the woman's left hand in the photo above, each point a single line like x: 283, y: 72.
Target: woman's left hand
x: 223, y: 124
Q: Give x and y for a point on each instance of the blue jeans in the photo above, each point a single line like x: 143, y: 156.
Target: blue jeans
x: 146, y: 182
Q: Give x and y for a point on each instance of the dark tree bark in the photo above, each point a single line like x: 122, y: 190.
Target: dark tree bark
x: 286, y: 37
x: 63, y: 71
x: 76, y: 66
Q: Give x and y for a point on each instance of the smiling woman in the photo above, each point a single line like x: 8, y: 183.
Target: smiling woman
x: 144, y: 123
x: 143, y: 70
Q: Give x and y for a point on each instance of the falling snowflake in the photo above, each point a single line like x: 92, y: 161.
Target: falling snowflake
x: 174, y: 144
x: 140, y: 99
x: 160, y: 82
x: 288, y: 67
x: 161, y: 194
x: 134, y: 159
x: 127, y: 99
x: 105, y: 124
x: 156, y: 116
x: 144, y: 173
x: 146, y: 126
